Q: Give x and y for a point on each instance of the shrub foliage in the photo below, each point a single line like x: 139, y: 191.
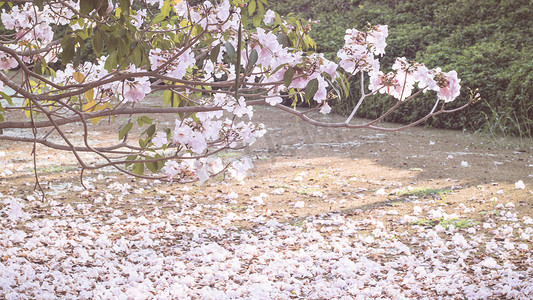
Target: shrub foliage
x: 490, y: 43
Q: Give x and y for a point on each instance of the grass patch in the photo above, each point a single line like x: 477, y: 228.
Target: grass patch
x: 425, y: 223
x: 423, y: 192
x: 457, y: 223
x: 308, y: 192
x: 56, y: 169
x: 239, y: 208
x: 277, y: 186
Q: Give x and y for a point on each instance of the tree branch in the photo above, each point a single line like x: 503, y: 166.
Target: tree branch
x: 119, y: 111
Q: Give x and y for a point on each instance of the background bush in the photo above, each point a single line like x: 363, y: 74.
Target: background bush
x: 489, y: 43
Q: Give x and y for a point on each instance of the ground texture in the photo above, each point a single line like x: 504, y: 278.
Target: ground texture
x: 325, y: 214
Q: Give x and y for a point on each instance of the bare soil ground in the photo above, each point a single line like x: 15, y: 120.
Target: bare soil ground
x: 304, y: 173
x: 351, y: 169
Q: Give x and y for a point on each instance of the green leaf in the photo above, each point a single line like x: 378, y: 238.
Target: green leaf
x: 257, y: 20
x: 150, y: 131
x: 81, y: 22
x: 160, y: 163
x: 131, y: 158
x: 261, y: 9
x: 230, y: 50
x: 125, y: 6
x: 134, y: 44
x: 311, y: 89
x: 68, y: 44
x: 277, y: 69
x: 337, y: 91
x: 138, y: 168
x: 38, y: 67
x: 166, y: 8
x: 124, y: 130
x: 143, y: 143
x: 345, y: 85
x: 86, y: 6
x: 98, y: 42
x: 102, y: 8
x: 213, y: 56
x: 159, y: 18
x: 165, y: 11
x: 153, y: 166
x: 252, y: 59
x: 137, y: 56
x: 167, y: 97
x: 283, y: 39
x: 288, y: 76
x: 145, y: 120
x: 175, y: 100
x: 251, y: 7
x: 110, y: 62
x: 244, y: 19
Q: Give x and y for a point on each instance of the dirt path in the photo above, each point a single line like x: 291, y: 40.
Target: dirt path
x: 377, y: 160
x: 319, y: 206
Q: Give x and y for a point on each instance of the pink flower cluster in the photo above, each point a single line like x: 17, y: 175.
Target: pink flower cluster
x: 172, y: 65
x: 188, y: 61
x: 32, y: 29
x: 208, y: 131
x: 400, y: 83
x: 359, y: 55
x: 360, y: 49
x: 130, y: 90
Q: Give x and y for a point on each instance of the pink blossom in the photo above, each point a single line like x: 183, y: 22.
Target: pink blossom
x: 182, y: 132
x: 240, y: 109
x: 181, y: 8
x: 223, y: 10
x: 138, y: 18
x: 240, y: 167
x: 425, y: 78
x: 274, y: 100
x: 185, y: 61
x: 156, y: 58
x: 325, y: 109
x: 171, y: 168
x: 376, y: 81
x: 269, y: 17
x: 321, y: 93
x: 136, y: 89
x: 329, y: 68
x: 377, y: 39
x: 449, y: 87
x: 160, y: 139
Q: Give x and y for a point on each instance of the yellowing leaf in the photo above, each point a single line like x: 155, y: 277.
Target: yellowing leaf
x: 27, y: 111
x: 92, y: 106
x: 96, y: 120
x: 184, y: 23
x: 89, y: 95
x: 78, y: 77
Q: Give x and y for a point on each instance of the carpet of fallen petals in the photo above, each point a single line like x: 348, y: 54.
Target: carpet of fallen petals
x: 175, y: 247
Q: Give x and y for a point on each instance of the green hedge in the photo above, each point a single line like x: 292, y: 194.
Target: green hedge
x: 489, y: 43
